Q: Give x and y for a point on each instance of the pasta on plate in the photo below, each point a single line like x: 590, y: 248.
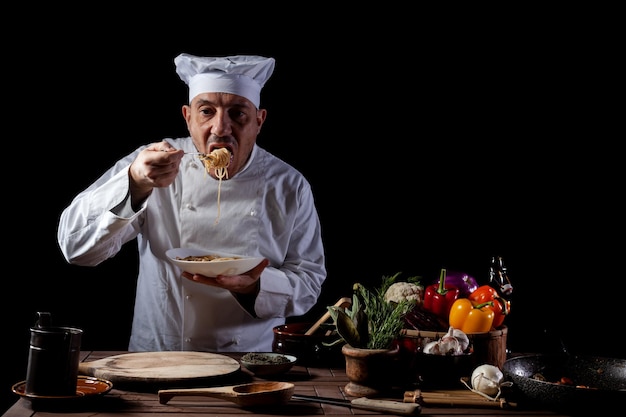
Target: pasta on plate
x: 207, y: 258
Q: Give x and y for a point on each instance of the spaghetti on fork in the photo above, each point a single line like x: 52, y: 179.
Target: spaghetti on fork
x: 218, y: 159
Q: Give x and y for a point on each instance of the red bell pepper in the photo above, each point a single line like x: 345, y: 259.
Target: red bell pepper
x: 500, y: 306
x: 438, y: 298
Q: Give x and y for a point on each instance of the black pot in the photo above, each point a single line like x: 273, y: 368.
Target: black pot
x: 599, y: 384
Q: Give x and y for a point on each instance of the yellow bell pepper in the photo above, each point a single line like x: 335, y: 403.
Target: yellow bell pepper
x: 470, y: 316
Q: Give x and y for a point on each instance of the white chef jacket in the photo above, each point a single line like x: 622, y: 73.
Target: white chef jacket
x: 267, y: 210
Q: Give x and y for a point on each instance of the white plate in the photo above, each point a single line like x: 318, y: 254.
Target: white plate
x: 212, y: 268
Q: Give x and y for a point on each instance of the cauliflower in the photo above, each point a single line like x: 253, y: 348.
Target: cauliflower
x: 399, y: 291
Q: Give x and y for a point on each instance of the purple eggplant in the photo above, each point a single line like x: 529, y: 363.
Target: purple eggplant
x: 464, y: 282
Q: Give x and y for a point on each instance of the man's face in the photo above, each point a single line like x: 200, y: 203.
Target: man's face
x: 217, y: 120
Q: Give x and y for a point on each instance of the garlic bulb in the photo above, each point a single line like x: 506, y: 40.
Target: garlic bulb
x: 487, y: 379
x: 462, y: 338
x: 453, y: 343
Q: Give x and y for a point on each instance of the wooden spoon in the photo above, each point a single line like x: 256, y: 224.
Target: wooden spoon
x: 245, y: 395
x: 342, y: 302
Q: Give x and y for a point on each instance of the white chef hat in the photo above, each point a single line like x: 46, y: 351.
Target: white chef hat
x: 243, y: 75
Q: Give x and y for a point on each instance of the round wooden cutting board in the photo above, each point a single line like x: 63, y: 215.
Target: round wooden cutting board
x: 160, y: 368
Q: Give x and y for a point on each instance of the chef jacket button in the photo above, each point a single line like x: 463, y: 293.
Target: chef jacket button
x: 190, y: 207
x: 188, y: 297
x: 253, y: 212
x: 188, y: 340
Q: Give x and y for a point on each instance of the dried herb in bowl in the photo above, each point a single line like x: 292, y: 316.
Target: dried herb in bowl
x: 267, y: 363
x: 264, y: 359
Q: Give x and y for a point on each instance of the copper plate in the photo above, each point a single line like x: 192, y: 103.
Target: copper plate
x: 86, y: 386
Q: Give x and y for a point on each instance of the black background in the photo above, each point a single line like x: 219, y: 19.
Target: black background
x: 450, y: 138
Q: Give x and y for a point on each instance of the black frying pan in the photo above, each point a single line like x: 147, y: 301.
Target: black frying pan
x: 604, y: 379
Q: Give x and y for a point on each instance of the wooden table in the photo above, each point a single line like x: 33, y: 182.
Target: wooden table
x: 311, y: 381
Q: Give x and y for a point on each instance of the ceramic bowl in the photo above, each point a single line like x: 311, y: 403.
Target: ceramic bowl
x: 315, y: 349
x: 267, y: 363
x: 231, y: 265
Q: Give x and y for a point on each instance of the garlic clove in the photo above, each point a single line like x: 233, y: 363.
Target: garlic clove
x: 430, y: 348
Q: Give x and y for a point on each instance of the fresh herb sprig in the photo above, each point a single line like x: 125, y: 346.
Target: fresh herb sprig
x: 371, y: 322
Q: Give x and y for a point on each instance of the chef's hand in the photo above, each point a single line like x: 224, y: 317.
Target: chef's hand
x: 246, y: 284
x: 155, y: 166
